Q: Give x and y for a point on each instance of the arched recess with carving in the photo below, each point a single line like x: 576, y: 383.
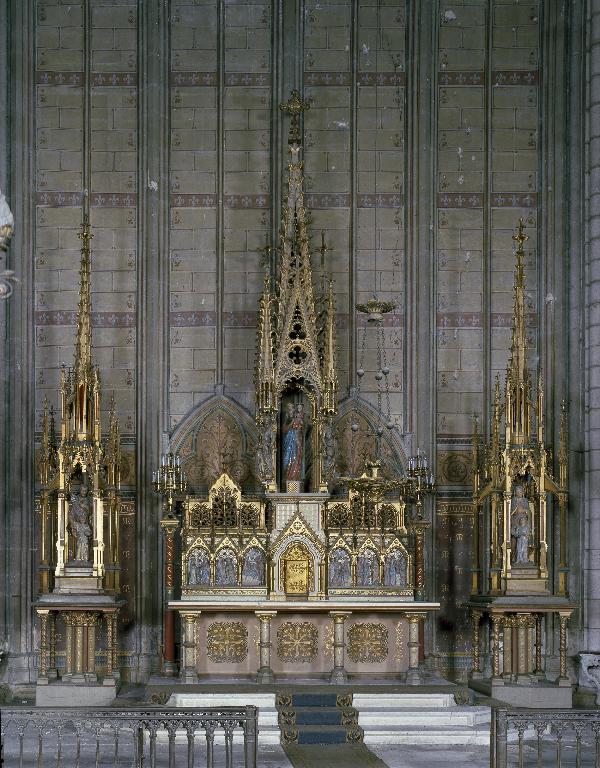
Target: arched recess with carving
x: 354, y: 448
x: 218, y: 436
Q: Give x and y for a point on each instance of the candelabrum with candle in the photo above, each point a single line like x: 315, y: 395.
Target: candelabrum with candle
x: 417, y: 483
x: 169, y: 480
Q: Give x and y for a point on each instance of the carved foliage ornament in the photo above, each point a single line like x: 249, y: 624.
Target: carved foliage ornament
x: 217, y: 446
x: 227, y: 642
x: 297, y: 642
x: 367, y: 643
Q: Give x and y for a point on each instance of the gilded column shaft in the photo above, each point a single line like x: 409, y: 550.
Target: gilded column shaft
x: 109, y: 644
x: 69, y: 644
x: 507, y: 631
x: 496, y: 620
x: 475, y: 650
x: 79, y: 648
x: 52, y: 618
x: 43, y: 643
x: 563, y: 646
x: 522, y: 645
x: 91, y: 649
x: 538, y: 644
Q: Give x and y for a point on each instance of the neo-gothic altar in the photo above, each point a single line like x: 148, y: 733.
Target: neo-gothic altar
x: 326, y: 570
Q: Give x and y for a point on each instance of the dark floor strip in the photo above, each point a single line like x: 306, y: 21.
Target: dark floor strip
x: 332, y: 756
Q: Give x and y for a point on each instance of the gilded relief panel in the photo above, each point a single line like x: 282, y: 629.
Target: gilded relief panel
x: 297, y: 642
x: 367, y: 643
x: 227, y: 642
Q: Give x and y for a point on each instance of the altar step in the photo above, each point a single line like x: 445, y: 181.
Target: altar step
x: 317, y: 718
x: 420, y: 719
x: 268, y: 725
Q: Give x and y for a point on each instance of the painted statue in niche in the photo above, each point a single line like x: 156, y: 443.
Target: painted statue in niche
x: 226, y: 569
x: 368, y: 569
x: 80, y: 511
x: 198, y: 568
x: 519, y: 525
x: 339, y: 568
x: 395, y: 569
x: 253, y: 569
x: 295, y: 425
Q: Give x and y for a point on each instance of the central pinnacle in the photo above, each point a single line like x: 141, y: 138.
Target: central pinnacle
x: 520, y: 237
x: 294, y: 108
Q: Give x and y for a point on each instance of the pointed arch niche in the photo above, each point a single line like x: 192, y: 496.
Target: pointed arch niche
x: 354, y: 448
x: 218, y: 436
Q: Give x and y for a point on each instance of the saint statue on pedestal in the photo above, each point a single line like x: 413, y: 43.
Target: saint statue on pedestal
x: 293, y: 442
x: 79, y: 516
x: 519, y: 525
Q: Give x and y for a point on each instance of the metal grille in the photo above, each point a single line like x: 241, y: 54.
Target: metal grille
x: 142, y: 738
x: 545, y: 737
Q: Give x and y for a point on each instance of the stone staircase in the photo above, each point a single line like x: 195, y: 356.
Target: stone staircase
x: 317, y: 718
x: 428, y: 718
x: 268, y: 727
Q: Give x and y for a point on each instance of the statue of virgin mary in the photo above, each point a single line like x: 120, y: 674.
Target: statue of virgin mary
x: 293, y: 442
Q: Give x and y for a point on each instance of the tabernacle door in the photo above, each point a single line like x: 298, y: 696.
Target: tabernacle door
x: 296, y: 572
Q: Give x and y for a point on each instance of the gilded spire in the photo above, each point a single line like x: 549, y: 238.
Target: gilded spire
x: 113, y: 447
x: 518, y: 350
x: 518, y: 382
x: 563, y: 450
x: 265, y: 394
x: 329, y: 345
x: 48, y: 447
x: 83, y: 344
x: 297, y: 354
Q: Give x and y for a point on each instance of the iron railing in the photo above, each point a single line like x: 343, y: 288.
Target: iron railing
x: 545, y: 737
x: 140, y: 738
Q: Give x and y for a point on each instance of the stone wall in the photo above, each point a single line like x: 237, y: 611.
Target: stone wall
x: 433, y: 128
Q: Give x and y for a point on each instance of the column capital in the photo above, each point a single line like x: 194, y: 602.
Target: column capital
x: 413, y: 618
x: 169, y: 526
x: 340, y: 616
x: 265, y: 615
x: 189, y: 615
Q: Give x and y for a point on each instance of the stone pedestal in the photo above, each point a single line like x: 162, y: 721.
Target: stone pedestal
x: 79, y: 684
x: 517, y: 670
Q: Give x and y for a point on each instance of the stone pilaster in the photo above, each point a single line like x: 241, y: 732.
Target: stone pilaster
x: 17, y: 383
x: 591, y: 528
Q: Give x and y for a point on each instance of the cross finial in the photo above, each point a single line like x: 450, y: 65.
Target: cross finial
x: 294, y: 108
x: 266, y: 251
x: 324, y: 248
x: 520, y: 237
x: 85, y: 235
